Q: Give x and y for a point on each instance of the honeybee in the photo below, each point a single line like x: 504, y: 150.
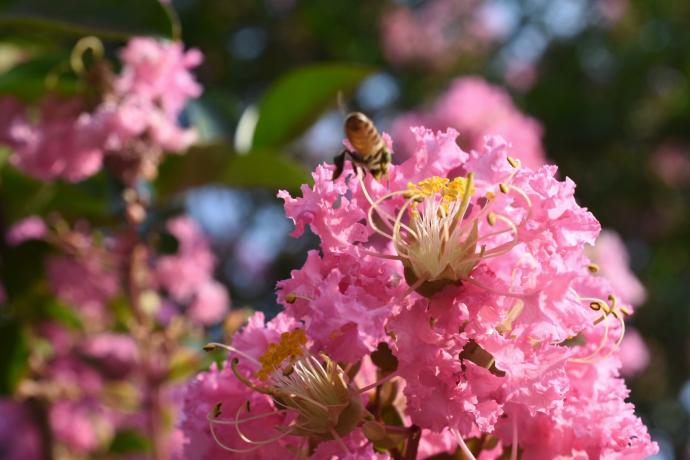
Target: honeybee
x: 369, y: 150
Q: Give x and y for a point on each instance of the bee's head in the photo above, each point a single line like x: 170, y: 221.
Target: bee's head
x: 356, y: 121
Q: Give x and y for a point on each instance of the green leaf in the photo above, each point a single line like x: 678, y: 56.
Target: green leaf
x: 217, y: 163
x: 13, y: 359
x: 265, y: 169
x: 85, y: 199
x: 298, y: 98
x: 32, y: 79
x: 129, y: 442
x: 106, y: 18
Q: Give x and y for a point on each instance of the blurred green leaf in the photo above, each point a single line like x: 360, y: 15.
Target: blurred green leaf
x: 81, y: 200
x: 298, y: 98
x: 32, y: 79
x: 108, y: 18
x: 22, y: 267
x: 66, y: 315
x: 129, y: 442
x: 13, y: 359
x: 265, y: 168
x: 217, y: 163
x: 183, y: 364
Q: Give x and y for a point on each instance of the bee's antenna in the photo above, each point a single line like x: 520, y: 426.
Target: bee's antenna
x: 341, y: 102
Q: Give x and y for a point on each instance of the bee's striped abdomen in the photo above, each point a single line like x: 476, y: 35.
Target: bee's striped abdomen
x: 363, y: 135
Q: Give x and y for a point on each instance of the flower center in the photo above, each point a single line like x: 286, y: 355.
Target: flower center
x: 316, y: 390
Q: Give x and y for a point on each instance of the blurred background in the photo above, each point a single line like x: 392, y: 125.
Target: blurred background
x: 607, y: 79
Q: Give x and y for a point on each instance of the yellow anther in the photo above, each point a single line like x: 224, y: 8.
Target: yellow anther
x: 291, y: 346
x: 513, y: 162
x: 428, y: 187
x: 291, y: 298
x: 503, y: 188
x: 490, y: 195
x: 593, y: 268
x: 491, y: 218
x: 596, y: 306
x: 626, y: 311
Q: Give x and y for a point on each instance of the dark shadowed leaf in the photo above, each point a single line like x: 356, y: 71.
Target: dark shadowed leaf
x: 217, y: 163
x: 108, y: 18
x: 129, y: 442
x: 72, y: 200
x: 384, y: 359
x: 13, y: 359
x: 32, y: 79
x: 298, y: 98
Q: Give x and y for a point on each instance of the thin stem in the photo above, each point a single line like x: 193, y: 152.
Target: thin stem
x: 463, y: 447
x: 339, y: 440
x: 377, y: 383
x: 414, y: 436
x: 231, y: 349
x: 514, y: 447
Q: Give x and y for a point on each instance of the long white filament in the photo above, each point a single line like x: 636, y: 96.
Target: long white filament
x: 466, y: 452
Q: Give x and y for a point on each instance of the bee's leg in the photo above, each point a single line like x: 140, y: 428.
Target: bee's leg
x: 339, y: 162
x: 357, y: 162
x: 387, y: 159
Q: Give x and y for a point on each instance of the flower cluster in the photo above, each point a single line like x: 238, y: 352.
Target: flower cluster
x: 476, y: 109
x: 134, y: 120
x: 435, y: 33
x: 86, y: 372
x: 187, y: 275
x: 454, y: 295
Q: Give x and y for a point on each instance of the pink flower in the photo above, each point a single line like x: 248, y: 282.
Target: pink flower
x: 19, y: 436
x: 134, y: 123
x: 151, y: 91
x: 487, y: 301
x: 610, y: 255
x: 87, y: 281
x: 191, y: 266
x: 29, y: 228
x: 82, y: 426
x: 65, y: 142
x: 188, y: 275
x: 343, y: 300
x: 208, y: 389
x: 435, y: 33
x: 671, y: 162
x: 475, y: 109
x: 634, y: 354
x: 115, y: 353
x: 159, y: 70
x: 210, y: 304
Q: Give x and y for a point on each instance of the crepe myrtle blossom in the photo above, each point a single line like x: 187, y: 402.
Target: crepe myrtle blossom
x: 20, y: 438
x: 133, y: 120
x: 343, y: 300
x: 475, y: 109
x: 435, y: 33
x: 276, y: 395
x: 634, y: 354
x: 491, y: 305
x: 29, y: 228
x: 612, y: 261
x: 187, y: 275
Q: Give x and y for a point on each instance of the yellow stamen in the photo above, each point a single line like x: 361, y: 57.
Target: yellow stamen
x: 291, y: 346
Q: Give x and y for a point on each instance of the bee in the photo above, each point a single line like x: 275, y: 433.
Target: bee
x: 369, y: 150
